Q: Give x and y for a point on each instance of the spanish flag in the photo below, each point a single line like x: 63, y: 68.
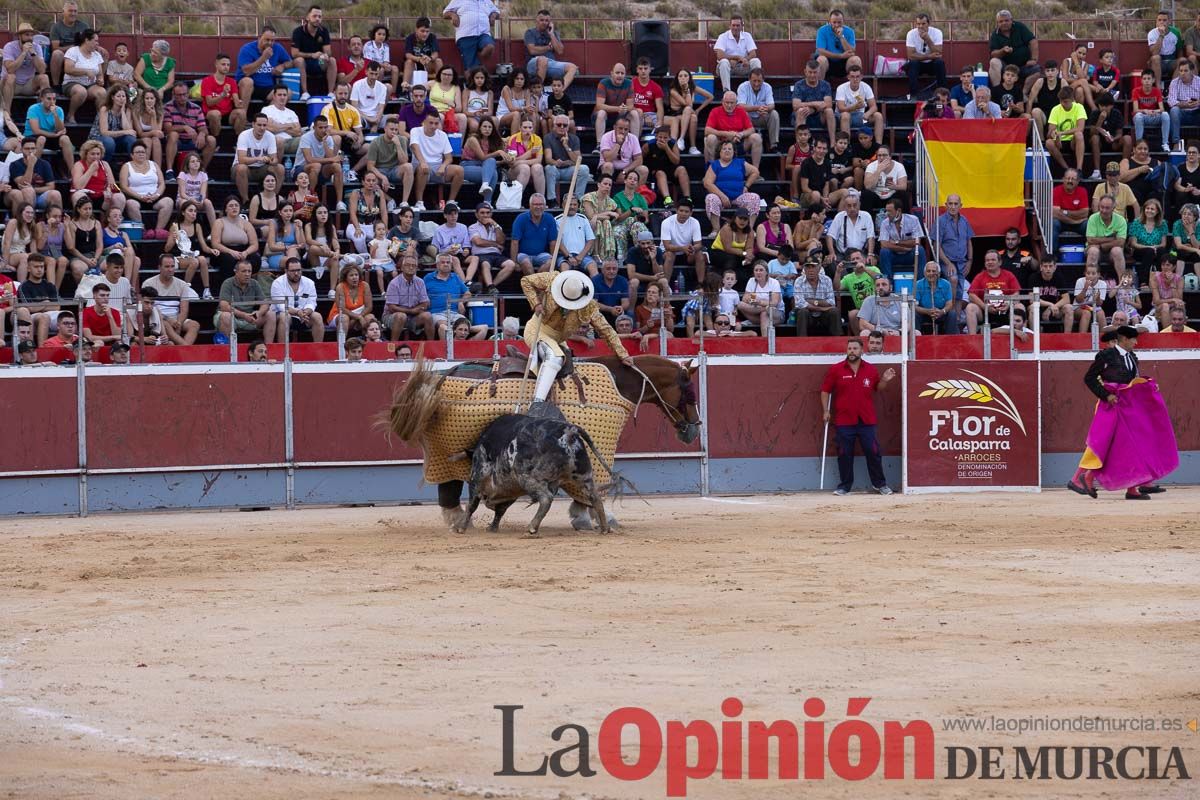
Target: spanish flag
x: 982, y: 161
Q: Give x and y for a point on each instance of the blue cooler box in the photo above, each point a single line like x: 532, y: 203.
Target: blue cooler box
x: 133, y: 230
x: 703, y: 80
x: 902, y: 283
x: 482, y: 312
x: 316, y: 105
x: 455, y: 143
x: 981, y: 79
x: 291, y: 79
x: 1072, y: 254
x: 1029, y: 163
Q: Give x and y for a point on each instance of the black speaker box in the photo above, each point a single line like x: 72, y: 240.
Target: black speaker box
x: 652, y: 40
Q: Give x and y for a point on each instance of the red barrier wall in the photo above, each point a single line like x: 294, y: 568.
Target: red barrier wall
x: 41, y: 424
x: 1067, y: 406
x: 335, y: 417
x: 334, y: 421
x: 171, y: 420
x: 773, y: 411
x: 223, y: 416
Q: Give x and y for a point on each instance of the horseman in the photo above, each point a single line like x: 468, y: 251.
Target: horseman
x: 562, y: 303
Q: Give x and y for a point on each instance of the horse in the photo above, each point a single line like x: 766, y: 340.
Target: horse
x: 654, y: 379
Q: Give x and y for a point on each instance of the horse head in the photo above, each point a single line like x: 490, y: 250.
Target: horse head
x: 673, y: 390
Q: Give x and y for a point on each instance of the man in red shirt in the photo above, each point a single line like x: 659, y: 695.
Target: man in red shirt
x: 220, y: 98
x: 851, y: 385
x: 101, y: 322
x: 66, y: 336
x: 1070, y: 205
x: 730, y: 123
x: 988, y: 291
x: 355, y: 66
x: 647, y: 98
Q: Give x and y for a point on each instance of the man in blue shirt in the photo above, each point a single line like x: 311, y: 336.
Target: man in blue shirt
x: 447, y: 296
x: 934, y: 302
x: 835, y: 47
x: 954, y: 239
x: 32, y: 180
x: 756, y: 96
x: 260, y: 64
x: 45, y: 121
x: 612, y: 290
x: 812, y: 101
x: 533, y: 236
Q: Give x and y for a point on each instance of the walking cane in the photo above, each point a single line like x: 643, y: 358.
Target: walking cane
x: 825, y: 444
x: 553, y: 268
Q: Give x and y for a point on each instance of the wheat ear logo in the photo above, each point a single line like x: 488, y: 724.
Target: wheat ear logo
x: 979, y: 391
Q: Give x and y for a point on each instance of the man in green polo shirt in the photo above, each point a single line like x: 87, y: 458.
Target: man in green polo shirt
x: 859, y: 283
x: 1106, y: 233
x: 244, y: 304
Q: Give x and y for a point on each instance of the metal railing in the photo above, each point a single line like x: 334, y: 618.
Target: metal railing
x: 1041, y: 185
x: 928, y: 194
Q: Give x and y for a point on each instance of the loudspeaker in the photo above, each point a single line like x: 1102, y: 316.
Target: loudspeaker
x: 652, y: 40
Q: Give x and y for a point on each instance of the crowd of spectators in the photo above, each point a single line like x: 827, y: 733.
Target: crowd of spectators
x: 340, y: 195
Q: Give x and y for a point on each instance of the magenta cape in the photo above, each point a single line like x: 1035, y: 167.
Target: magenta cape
x: 1133, y: 439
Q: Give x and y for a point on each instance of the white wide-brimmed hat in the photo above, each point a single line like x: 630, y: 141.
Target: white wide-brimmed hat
x: 571, y: 290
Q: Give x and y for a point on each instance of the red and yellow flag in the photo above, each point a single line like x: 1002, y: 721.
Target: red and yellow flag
x: 982, y: 161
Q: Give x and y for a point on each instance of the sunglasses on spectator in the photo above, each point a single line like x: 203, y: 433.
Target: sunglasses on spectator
x: 723, y: 323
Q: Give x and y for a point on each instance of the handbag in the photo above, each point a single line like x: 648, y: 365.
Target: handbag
x: 510, y: 195
x: 886, y: 65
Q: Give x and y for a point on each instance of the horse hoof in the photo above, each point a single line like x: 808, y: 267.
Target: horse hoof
x: 612, y: 522
x: 456, y: 519
x: 531, y: 534
x: 581, y: 523
x: 493, y: 528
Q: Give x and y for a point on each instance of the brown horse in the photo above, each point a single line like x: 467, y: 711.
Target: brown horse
x: 653, y: 379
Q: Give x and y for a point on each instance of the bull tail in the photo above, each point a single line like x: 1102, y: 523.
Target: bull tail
x: 414, y: 405
x: 587, y: 439
x: 620, y: 483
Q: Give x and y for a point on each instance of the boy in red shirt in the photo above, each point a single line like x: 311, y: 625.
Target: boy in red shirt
x: 1148, y: 110
x: 101, y: 322
x: 647, y: 98
x: 220, y: 98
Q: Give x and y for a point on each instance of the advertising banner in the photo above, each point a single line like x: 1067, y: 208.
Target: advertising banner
x: 971, y: 425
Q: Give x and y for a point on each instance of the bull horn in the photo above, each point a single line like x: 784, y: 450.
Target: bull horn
x: 414, y: 405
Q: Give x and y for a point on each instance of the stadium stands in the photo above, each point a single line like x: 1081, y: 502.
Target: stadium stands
x: 783, y: 61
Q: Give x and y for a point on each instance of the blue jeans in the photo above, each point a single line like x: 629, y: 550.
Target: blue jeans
x: 1179, y: 118
x: 847, y: 435
x: 556, y: 175
x: 119, y: 144
x: 1142, y: 120
x: 481, y: 172
x: 469, y: 47
x: 554, y: 68
x: 904, y: 261
x: 538, y: 260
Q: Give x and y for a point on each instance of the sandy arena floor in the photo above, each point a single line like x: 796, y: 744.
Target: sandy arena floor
x: 359, y: 652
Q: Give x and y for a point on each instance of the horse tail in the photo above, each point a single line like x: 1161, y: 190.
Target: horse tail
x: 414, y: 406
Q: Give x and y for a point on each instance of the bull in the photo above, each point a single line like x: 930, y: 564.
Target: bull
x: 519, y: 455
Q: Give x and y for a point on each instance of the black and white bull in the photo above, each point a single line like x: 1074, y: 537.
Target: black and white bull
x: 519, y: 455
